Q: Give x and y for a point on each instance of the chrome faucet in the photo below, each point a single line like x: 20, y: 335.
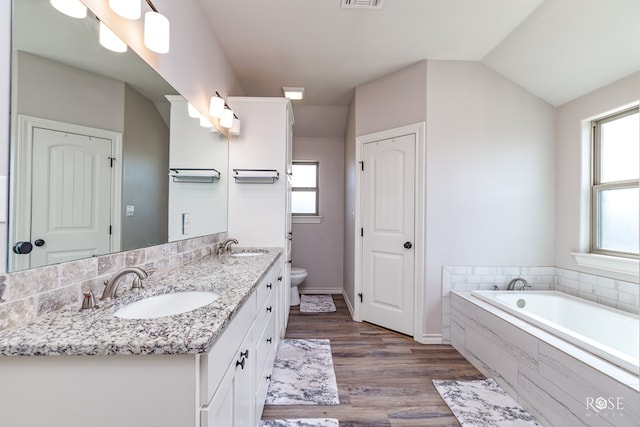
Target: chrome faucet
x: 512, y: 284
x: 225, y: 245
x: 111, y: 285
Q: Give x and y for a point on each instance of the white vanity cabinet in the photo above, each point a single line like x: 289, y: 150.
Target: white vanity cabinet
x: 223, y: 387
x: 235, y: 373
x: 260, y: 214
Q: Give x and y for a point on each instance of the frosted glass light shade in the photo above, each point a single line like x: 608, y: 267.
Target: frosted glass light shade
x: 109, y: 40
x: 216, y: 107
x: 72, y: 8
x: 129, y: 9
x: 205, y: 123
x: 235, y: 128
x: 193, y: 113
x: 226, y: 121
x: 156, y: 32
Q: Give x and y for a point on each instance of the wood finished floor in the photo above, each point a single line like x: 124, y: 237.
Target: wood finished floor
x: 384, y: 378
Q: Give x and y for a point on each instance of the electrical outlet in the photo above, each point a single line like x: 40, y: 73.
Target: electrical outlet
x: 186, y: 223
x: 131, y: 210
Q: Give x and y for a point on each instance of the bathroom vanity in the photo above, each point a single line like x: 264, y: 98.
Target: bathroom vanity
x: 207, y: 367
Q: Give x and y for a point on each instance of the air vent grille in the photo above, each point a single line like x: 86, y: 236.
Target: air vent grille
x: 362, y: 4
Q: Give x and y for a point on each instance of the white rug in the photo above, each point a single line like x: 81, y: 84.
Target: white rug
x: 483, y: 403
x: 303, y: 374
x: 317, y: 304
x: 302, y: 422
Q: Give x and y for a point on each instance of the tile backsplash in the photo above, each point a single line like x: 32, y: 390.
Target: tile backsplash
x: 39, y: 291
x: 613, y: 293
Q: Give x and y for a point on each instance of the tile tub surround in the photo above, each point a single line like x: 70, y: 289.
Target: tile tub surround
x: 549, y: 377
x: 36, y: 292
x: 603, y: 290
x: 98, y: 332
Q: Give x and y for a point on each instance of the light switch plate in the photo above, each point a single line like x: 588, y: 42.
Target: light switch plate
x: 186, y: 223
x: 131, y: 210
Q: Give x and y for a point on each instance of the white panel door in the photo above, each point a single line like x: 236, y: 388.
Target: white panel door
x: 71, y: 196
x: 388, y: 213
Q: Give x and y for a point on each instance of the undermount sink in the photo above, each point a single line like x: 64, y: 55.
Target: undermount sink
x: 243, y: 254
x: 166, y: 305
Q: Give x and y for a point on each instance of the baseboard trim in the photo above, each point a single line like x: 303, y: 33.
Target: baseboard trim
x: 430, y: 339
x: 316, y: 291
x: 349, y: 304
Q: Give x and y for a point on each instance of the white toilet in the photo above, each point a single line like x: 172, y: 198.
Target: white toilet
x: 297, y: 277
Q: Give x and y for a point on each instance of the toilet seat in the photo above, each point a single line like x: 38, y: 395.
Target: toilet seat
x: 296, y: 271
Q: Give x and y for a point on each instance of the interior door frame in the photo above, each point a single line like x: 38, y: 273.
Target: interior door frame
x: 20, y: 177
x: 417, y: 129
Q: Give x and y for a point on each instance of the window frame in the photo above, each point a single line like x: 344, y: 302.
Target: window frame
x: 315, y: 189
x: 597, y: 186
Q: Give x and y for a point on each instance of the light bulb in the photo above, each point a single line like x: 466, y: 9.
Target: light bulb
x: 156, y: 32
x: 129, y: 9
x: 109, y: 40
x: 235, y: 128
x: 216, y: 106
x: 192, y: 111
x: 205, y: 123
x: 72, y: 8
x: 226, y: 121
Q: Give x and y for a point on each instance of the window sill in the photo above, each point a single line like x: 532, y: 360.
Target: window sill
x: 608, y: 263
x: 306, y: 219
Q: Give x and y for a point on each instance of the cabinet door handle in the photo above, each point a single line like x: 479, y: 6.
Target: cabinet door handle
x: 268, y: 377
x: 269, y: 340
x: 244, y: 354
x: 269, y: 286
x: 241, y: 363
x: 279, y: 278
x: 269, y: 309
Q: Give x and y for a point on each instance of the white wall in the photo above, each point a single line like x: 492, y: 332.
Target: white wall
x: 349, y: 204
x: 5, y: 102
x: 192, y: 146
x: 319, y: 247
x: 573, y: 168
x: 490, y: 175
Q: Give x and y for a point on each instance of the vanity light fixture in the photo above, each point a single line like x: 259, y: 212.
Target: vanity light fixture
x: 293, y: 93
x: 226, y: 121
x: 235, y: 128
x: 129, y: 9
x: 216, y: 106
x: 156, y: 30
x: 109, y: 40
x: 72, y: 8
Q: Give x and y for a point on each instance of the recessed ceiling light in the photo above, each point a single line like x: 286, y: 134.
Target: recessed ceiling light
x: 293, y: 93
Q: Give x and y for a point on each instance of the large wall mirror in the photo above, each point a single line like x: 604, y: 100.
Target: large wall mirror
x: 93, y: 136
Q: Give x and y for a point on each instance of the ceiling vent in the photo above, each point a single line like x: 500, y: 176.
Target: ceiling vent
x: 362, y: 4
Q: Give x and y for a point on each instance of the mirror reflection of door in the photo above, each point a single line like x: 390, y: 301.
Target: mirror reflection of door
x: 71, y: 188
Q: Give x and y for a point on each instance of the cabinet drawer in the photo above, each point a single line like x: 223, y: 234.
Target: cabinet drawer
x: 266, y: 288
x: 265, y: 309
x: 214, y: 362
x: 266, y: 343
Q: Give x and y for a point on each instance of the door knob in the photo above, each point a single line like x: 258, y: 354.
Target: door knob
x: 22, y: 248
x: 39, y: 242
x: 407, y: 245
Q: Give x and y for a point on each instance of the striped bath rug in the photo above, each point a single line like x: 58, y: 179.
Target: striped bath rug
x: 302, y: 422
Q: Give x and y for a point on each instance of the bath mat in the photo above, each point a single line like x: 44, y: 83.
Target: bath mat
x: 302, y: 422
x: 317, y: 304
x: 303, y: 374
x: 483, y: 403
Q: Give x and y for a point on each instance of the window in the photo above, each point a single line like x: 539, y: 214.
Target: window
x: 304, y: 188
x: 614, y: 194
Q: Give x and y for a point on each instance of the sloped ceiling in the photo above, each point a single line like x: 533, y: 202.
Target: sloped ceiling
x: 556, y: 49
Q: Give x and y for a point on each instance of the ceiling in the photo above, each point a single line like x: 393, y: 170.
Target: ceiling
x: 556, y: 49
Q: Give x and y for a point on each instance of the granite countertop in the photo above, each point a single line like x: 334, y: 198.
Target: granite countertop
x: 99, y: 332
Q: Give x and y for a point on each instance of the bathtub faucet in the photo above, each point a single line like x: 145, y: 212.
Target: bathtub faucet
x: 512, y: 284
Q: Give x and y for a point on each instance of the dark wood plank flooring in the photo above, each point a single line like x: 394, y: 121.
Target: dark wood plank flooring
x: 384, y: 378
